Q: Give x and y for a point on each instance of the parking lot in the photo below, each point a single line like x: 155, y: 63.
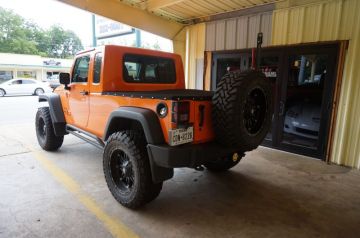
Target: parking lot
x: 64, y: 194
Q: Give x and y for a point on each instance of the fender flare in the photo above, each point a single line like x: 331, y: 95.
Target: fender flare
x: 153, y: 134
x: 56, y: 112
x: 147, y: 119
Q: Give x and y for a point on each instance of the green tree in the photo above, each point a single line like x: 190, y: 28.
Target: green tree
x: 18, y: 35
x: 14, y: 34
x: 63, y: 44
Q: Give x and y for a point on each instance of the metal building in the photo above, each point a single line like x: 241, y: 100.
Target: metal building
x: 311, y: 48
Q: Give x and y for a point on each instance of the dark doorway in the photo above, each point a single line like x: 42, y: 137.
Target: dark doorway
x: 302, y: 79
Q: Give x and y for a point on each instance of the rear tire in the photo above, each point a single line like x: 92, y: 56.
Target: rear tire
x: 225, y: 163
x: 242, y: 109
x: 2, y: 92
x: 39, y: 91
x: 127, y: 169
x: 45, y: 131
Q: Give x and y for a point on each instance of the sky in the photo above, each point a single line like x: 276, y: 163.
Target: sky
x: 50, y: 12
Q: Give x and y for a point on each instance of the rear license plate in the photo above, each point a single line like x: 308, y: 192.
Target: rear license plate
x: 181, y: 136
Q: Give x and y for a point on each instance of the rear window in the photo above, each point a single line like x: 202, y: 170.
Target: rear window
x: 148, y: 69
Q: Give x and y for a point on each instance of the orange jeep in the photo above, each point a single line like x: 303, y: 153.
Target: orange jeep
x: 132, y: 103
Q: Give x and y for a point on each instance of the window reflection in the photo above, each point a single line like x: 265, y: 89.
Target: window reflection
x: 304, y: 100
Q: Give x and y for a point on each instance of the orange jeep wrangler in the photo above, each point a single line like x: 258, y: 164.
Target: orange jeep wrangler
x: 132, y: 104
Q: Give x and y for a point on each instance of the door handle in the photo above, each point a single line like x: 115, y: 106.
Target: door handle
x: 84, y: 93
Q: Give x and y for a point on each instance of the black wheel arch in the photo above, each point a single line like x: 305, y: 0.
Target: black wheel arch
x: 122, y: 117
x: 125, y: 118
x: 56, y: 112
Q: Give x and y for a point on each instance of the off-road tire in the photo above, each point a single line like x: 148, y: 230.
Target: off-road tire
x: 223, y: 164
x: 130, y: 143
x: 235, y: 94
x: 2, y: 92
x: 45, y: 131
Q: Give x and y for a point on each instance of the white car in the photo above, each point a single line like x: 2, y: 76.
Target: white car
x: 54, y: 81
x: 23, y: 86
x: 303, y: 120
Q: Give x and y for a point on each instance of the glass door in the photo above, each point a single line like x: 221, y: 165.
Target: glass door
x: 270, y: 65
x: 305, y: 100
x: 224, y: 63
x: 302, y: 80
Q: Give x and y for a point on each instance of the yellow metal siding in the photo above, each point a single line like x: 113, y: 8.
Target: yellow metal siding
x: 220, y: 35
x: 195, y: 49
x: 238, y: 33
x: 230, y: 38
x: 179, y: 44
x: 329, y: 21
x: 210, y: 31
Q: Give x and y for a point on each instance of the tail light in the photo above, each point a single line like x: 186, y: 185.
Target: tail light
x: 180, y: 112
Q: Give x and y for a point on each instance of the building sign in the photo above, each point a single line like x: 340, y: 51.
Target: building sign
x: 105, y: 28
x: 51, y: 63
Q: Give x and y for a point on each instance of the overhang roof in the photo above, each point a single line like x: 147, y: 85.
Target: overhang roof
x: 189, y: 11
x: 166, y: 17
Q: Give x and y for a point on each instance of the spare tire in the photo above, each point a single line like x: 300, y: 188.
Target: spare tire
x: 242, y: 109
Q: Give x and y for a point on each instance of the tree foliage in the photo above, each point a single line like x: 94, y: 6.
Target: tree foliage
x: 18, y: 35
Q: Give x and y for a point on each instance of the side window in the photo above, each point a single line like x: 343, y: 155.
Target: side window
x: 28, y: 82
x: 81, y: 69
x: 97, y: 67
x: 17, y: 82
x: 148, y: 69
x: 132, y: 71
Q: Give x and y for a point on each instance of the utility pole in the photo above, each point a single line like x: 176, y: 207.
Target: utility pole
x: 93, y: 31
x: 138, y: 38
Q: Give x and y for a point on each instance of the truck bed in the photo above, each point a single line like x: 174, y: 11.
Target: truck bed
x: 176, y: 94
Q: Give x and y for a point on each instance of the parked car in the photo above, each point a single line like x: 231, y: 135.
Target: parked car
x: 23, y: 86
x: 54, y: 81
x: 303, y: 119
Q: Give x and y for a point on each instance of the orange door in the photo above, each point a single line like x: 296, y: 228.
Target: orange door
x: 79, y: 92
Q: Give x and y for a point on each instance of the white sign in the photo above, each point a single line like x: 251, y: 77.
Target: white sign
x: 108, y: 28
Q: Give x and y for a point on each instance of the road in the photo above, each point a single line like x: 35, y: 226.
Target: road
x: 18, y: 110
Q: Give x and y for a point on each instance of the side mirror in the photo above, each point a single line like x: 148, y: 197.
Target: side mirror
x: 64, y: 78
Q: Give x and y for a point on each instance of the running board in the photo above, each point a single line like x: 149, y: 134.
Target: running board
x: 86, y: 136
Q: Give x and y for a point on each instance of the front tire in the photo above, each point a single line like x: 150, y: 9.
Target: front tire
x: 127, y: 169
x: 45, y: 131
x: 2, y: 92
x: 39, y: 91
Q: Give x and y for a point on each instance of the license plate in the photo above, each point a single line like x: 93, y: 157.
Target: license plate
x: 181, y: 136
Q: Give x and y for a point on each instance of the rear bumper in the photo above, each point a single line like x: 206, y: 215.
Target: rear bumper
x: 186, y: 155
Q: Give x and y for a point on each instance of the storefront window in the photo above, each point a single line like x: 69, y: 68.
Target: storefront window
x: 6, y: 75
x: 49, y: 74
x: 26, y: 74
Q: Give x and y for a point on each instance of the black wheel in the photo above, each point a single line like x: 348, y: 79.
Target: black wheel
x: 224, y: 163
x: 242, y: 109
x: 45, y: 131
x: 39, y: 91
x: 127, y: 169
x: 2, y: 92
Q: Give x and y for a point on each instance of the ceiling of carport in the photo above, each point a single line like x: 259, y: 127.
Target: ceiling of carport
x: 185, y: 11
x: 167, y: 18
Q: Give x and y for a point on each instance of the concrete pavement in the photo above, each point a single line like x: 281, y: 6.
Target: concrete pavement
x: 269, y: 194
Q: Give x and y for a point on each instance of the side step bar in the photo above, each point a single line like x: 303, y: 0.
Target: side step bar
x: 86, y: 136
